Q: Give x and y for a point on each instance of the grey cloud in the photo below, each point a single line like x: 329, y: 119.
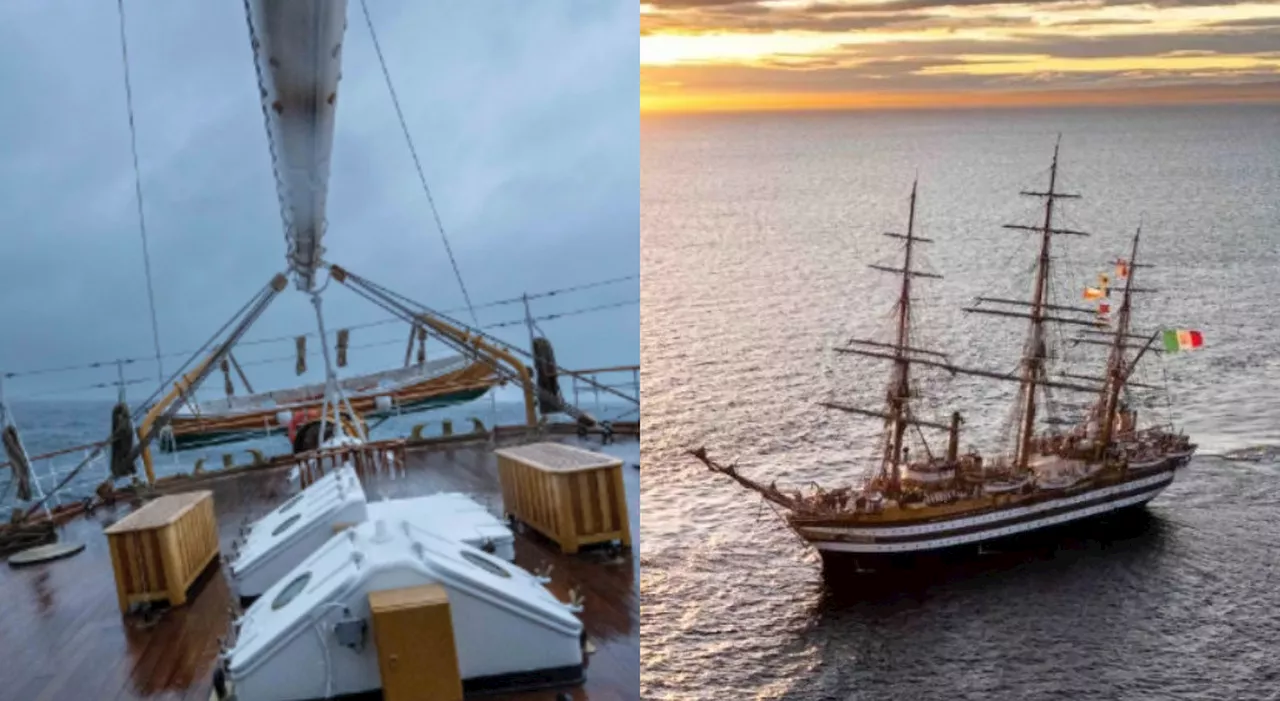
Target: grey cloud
x: 906, y: 74
x: 837, y: 17
x: 1262, y: 22
x: 754, y: 7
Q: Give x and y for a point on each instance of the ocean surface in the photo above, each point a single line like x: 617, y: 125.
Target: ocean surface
x: 49, y: 426
x: 756, y: 233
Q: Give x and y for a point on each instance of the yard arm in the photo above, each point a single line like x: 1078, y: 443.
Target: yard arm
x: 160, y: 413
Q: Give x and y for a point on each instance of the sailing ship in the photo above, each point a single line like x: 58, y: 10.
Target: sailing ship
x: 1100, y: 464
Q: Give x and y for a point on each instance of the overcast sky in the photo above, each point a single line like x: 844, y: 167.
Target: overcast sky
x: 748, y: 54
x: 526, y: 119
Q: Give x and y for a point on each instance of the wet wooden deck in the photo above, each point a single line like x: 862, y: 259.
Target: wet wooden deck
x: 62, y: 635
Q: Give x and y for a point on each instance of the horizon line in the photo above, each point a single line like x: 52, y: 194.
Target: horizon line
x: 1162, y: 95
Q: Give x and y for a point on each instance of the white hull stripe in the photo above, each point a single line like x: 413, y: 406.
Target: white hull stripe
x: 999, y: 532
x: 1159, y: 481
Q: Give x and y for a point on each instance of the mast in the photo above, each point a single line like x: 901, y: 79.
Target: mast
x: 897, y: 414
x: 1116, y: 372
x: 1034, y: 357
x: 900, y: 390
x: 1033, y: 361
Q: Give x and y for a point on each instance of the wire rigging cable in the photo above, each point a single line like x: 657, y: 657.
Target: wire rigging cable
x: 283, y: 358
x: 417, y: 164
x: 365, y: 325
x: 137, y: 182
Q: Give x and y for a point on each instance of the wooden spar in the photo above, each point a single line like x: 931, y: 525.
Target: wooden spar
x: 882, y: 415
x: 1041, y: 318
x: 1051, y: 307
x: 1051, y: 193
x: 767, y: 491
x: 906, y: 272
x: 1069, y: 232
x: 974, y: 371
x: 408, y: 349
x: 163, y: 410
x: 1091, y: 378
x: 880, y: 344
x: 240, y: 371
x: 917, y: 239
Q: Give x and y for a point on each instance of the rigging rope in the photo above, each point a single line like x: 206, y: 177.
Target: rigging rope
x: 370, y: 324
x: 417, y: 164
x: 137, y: 184
x: 283, y: 358
x: 396, y: 341
x: 422, y: 178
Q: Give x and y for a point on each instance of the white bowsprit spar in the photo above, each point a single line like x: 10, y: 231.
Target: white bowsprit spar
x: 297, y: 51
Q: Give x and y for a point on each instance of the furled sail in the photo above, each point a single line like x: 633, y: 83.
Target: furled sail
x: 297, y: 48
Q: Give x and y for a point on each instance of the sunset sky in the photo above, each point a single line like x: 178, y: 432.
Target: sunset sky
x: 792, y: 54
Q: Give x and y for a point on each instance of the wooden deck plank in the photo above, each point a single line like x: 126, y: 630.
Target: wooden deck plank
x: 63, y: 634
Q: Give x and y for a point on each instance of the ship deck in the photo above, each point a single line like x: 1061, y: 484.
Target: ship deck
x: 63, y: 635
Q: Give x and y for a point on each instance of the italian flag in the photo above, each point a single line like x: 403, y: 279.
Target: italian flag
x: 1181, y: 340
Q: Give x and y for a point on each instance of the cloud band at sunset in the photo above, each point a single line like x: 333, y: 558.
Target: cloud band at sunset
x: 787, y: 54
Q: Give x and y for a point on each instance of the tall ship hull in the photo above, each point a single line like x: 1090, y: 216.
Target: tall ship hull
x: 973, y: 522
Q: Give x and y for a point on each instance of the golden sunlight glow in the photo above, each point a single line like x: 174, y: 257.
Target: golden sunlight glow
x: 779, y: 56
x: 670, y: 48
x: 1022, y: 65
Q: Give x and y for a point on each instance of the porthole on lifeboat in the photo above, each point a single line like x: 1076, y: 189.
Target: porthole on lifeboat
x: 485, y: 564
x: 291, y: 591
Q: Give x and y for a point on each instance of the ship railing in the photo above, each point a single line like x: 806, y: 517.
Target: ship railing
x: 47, y: 471
x: 386, y: 457
x: 591, y: 381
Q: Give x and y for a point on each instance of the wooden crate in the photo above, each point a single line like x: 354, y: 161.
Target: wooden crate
x: 413, y: 632
x: 160, y: 549
x: 573, y: 496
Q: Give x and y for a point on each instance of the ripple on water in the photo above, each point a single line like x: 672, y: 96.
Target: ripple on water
x: 755, y: 233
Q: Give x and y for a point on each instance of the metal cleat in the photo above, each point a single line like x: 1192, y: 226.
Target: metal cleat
x: 576, y: 600
x: 544, y: 575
